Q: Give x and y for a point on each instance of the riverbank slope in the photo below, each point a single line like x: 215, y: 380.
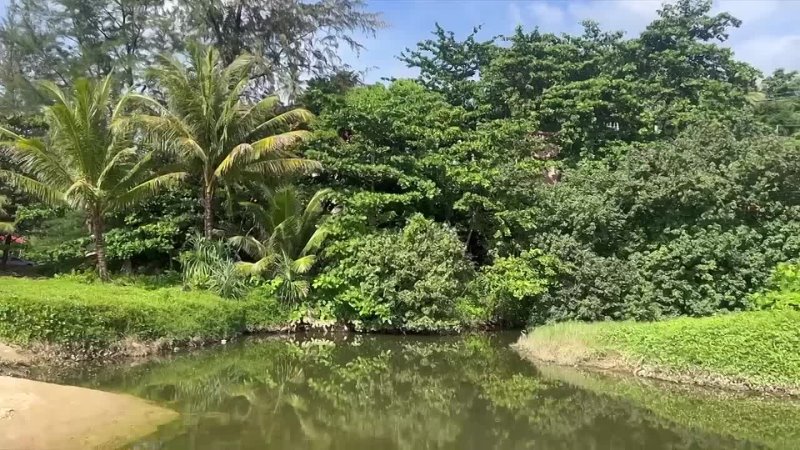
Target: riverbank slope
x: 750, y: 350
x: 51, y: 319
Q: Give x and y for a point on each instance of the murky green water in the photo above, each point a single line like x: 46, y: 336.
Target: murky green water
x: 415, y: 393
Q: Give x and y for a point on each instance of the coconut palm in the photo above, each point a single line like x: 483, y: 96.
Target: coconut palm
x: 220, y: 136
x: 285, y: 240
x: 87, y: 158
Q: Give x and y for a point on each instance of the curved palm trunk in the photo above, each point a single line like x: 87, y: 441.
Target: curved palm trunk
x: 208, y: 212
x: 98, y: 230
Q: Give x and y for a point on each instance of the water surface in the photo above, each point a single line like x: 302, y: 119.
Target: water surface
x: 413, y: 393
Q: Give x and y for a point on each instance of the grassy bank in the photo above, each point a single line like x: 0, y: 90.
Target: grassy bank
x: 752, y: 350
x: 89, y: 318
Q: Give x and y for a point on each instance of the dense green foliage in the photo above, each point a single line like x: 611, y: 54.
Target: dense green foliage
x: 783, y: 289
x: 685, y: 227
x: 757, y: 349
x: 411, y: 279
x: 530, y: 178
x: 86, y: 315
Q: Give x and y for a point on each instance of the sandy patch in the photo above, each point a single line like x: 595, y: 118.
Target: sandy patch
x: 43, y: 416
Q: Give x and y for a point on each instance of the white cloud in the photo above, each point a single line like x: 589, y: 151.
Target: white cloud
x: 548, y: 16
x: 770, y: 52
x: 749, y: 11
x: 515, y: 15
x: 628, y: 15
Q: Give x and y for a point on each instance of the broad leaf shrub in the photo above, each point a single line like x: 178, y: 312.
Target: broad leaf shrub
x: 509, y: 291
x: 80, y: 314
x: 683, y: 227
x: 783, y: 289
x: 590, y: 287
x: 397, y: 280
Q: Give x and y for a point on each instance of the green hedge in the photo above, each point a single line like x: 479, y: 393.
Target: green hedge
x: 64, y: 311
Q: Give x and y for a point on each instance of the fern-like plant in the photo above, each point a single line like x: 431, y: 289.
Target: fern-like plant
x: 285, y: 240
x: 207, y: 265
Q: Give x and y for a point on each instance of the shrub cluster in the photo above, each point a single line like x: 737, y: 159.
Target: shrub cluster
x: 410, y: 279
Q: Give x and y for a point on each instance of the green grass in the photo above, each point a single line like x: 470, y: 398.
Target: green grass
x: 757, y: 349
x: 76, y: 313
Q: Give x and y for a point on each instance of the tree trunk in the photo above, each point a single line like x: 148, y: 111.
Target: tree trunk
x: 98, y: 228
x: 208, y: 213
x: 6, y: 249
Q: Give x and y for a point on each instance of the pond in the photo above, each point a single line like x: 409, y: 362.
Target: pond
x: 359, y: 392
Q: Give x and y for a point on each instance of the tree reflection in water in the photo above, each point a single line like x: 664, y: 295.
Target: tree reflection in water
x: 408, y: 393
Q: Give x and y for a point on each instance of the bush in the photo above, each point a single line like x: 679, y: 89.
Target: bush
x: 783, y: 289
x: 80, y: 314
x: 590, y: 287
x: 207, y: 265
x: 509, y: 291
x: 690, y: 226
x: 407, y: 280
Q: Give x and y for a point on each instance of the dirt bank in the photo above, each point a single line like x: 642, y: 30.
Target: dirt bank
x: 43, y: 416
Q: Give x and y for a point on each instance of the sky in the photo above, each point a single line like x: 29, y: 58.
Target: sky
x: 769, y: 37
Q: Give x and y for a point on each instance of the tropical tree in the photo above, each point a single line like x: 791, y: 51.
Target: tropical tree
x: 87, y: 159
x: 219, y: 136
x: 285, y: 240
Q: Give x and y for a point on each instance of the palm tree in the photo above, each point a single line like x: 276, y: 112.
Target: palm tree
x: 87, y: 159
x: 285, y: 239
x: 219, y: 136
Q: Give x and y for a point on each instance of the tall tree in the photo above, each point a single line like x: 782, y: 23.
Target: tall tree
x: 289, y: 38
x: 219, y: 136
x: 87, y: 159
x: 450, y: 66
x: 58, y: 40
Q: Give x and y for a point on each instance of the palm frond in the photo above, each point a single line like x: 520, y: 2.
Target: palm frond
x: 279, y: 142
x: 284, y: 121
x: 304, y: 264
x: 281, y: 168
x: 36, y: 188
x: 144, y: 191
x: 315, y: 241
x: 249, y: 245
x: 33, y: 157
